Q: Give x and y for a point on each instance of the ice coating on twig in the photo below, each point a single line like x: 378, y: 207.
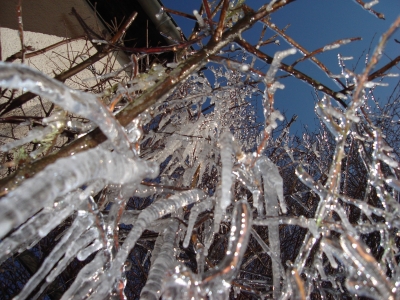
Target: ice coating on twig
x: 74, y: 239
x: 15, y: 76
x: 39, y: 226
x: 325, y: 220
x: 146, y: 217
x: 97, y: 163
x: 276, y: 62
x: 219, y: 278
x: 34, y: 134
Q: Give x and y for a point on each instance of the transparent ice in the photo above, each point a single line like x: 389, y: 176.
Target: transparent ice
x: 211, y: 191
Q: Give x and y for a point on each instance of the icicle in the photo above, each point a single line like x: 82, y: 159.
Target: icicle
x: 226, y: 174
x: 267, y: 250
x: 329, y: 254
x: 146, y: 257
x: 158, y: 210
x: 93, y: 189
x: 273, y: 185
x: 84, y: 253
x: 200, y: 258
x: 326, y: 114
x: 157, y: 248
x: 81, y: 286
x: 208, y: 236
x: 164, y: 261
x: 194, y: 213
x: 70, y: 254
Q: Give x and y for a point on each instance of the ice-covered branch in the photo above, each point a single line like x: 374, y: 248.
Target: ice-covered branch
x: 66, y: 175
x: 15, y: 76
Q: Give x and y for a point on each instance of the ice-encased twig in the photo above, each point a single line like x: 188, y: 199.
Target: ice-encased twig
x: 144, y: 220
x: 164, y: 261
x: 34, y: 134
x: 218, y: 278
x: 276, y: 63
x: 73, y: 250
x: 273, y: 190
x: 65, y: 175
x: 17, y: 76
x: 267, y: 250
x: 365, y: 276
x: 71, y: 239
x: 39, y: 226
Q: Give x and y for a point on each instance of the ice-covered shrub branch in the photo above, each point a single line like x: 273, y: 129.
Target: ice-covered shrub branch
x: 186, y: 193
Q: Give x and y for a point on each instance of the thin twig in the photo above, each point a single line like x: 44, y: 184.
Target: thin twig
x: 179, y: 13
x: 289, y: 69
x: 122, y: 30
x: 220, y: 27
x: 375, y: 58
x: 103, y: 51
x: 21, y: 29
x: 366, y: 7
x: 162, y: 49
x: 17, y: 102
x: 89, y: 32
x: 299, y: 47
x: 208, y: 13
x: 19, y: 54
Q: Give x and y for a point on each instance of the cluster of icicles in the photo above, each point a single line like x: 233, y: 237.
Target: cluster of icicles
x: 199, y: 144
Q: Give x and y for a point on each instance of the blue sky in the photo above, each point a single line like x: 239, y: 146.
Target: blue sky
x: 313, y: 24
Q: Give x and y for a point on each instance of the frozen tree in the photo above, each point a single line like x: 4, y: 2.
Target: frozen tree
x: 175, y: 189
